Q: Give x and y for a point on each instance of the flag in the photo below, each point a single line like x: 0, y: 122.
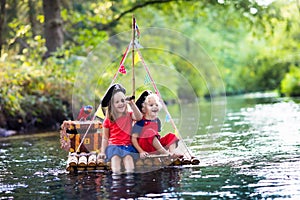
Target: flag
x: 137, y: 31
x: 136, y: 58
x: 137, y: 44
x: 147, y: 79
x: 99, y: 113
x: 176, y: 132
x: 167, y: 119
x: 122, y: 69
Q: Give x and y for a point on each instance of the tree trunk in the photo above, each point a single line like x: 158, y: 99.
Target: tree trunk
x: 53, y: 27
x: 2, y: 21
x: 32, y: 15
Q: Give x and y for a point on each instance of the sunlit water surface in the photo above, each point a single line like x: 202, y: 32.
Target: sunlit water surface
x: 255, y: 155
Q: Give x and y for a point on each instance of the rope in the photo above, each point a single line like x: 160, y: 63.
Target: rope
x: 157, y: 92
x: 163, y: 103
x: 112, y: 82
x: 121, y: 63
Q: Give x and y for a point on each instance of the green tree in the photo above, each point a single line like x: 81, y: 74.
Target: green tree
x: 253, y: 45
x: 290, y: 85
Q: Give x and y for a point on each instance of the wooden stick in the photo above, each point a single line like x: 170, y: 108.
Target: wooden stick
x: 133, y: 39
x: 158, y: 155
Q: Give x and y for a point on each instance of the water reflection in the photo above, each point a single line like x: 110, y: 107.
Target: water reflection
x: 163, y: 184
x: 156, y: 184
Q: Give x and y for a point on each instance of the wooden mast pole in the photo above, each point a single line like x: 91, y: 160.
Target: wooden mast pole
x: 133, y: 39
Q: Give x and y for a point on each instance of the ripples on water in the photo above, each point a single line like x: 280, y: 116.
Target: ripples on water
x: 255, y: 155
x: 261, y: 141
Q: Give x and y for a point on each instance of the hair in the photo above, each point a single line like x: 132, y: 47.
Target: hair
x: 111, y: 113
x: 155, y: 97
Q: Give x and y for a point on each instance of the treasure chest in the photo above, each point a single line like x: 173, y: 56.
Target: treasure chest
x: 81, y: 136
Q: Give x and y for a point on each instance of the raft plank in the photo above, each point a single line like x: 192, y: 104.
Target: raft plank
x: 72, y: 133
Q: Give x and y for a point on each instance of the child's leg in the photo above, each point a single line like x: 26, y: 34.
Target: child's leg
x: 116, y: 164
x: 172, y: 147
x: 170, y: 141
x: 157, y: 145
x: 128, y: 164
x: 146, y: 141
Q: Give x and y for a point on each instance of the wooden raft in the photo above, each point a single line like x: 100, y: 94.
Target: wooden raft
x: 85, y: 157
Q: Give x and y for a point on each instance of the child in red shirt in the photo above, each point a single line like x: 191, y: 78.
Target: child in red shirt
x: 145, y: 136
x: 116, y: 139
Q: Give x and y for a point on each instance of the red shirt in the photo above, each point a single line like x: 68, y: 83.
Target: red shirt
x: 144, y: 125
x: 120, y: 130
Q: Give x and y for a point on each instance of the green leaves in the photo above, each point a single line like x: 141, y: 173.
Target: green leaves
x: 290, y: 85
x: 254, y: 46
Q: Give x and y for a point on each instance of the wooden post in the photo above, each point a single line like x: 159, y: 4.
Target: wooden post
x: 133, y: 39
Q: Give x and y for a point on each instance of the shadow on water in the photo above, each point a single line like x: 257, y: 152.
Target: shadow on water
x: 255, y: 155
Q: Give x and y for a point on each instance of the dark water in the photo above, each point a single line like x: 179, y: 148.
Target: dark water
x: 255, y: 155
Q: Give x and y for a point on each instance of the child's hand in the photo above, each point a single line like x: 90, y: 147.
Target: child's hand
x: 143, y: 154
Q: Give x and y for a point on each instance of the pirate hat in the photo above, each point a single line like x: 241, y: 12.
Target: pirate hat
x: 139, y: 102
x: 109, y: 93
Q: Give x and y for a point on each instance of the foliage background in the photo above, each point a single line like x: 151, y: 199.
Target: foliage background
x: 254, y: 44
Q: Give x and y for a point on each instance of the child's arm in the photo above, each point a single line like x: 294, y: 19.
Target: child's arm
x: 105, y: 136
x: 143, y: 154
x: 137, y: 115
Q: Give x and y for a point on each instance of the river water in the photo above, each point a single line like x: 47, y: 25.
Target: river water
x: 255, y: 155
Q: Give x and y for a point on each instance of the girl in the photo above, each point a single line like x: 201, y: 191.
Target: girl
x: 145, y: 136
x: 116, y: 140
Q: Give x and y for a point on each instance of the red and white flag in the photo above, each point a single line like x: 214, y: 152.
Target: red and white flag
x: 122, y: 69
